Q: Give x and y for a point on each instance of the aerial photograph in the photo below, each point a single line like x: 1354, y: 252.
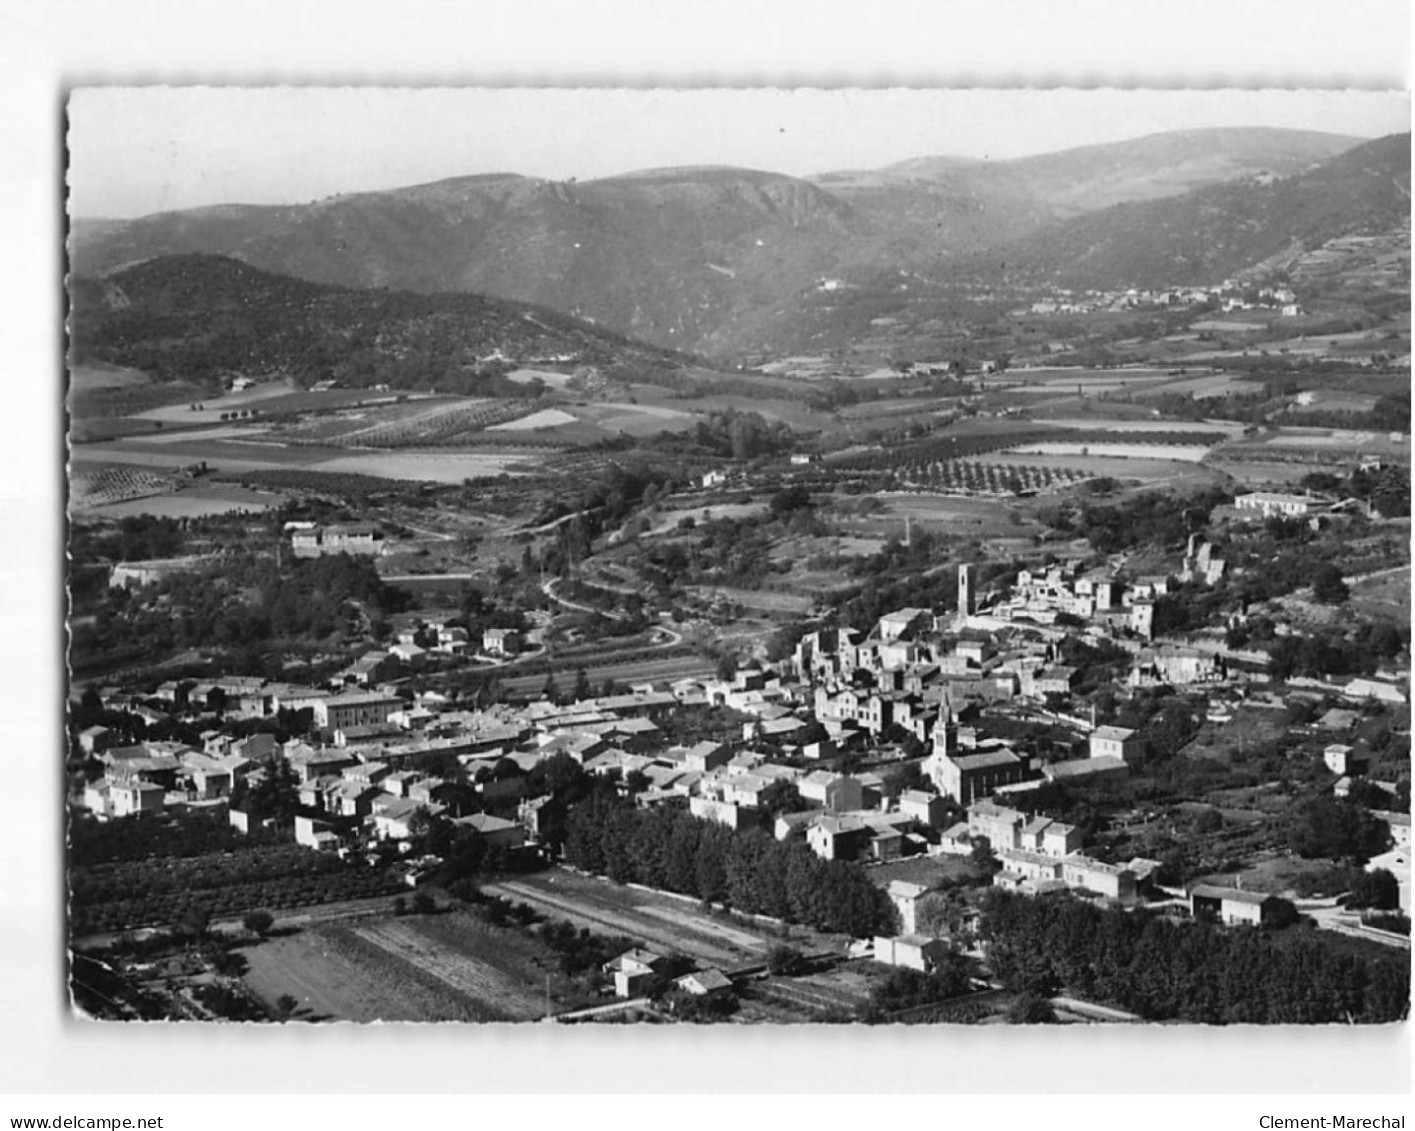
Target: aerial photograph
x: 738, y: 557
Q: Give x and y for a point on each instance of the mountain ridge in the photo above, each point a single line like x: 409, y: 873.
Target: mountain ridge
x: 711, y: 259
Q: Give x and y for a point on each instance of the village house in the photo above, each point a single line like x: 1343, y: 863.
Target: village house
x: 634, y: 971
x: 838, y: 838
x: 704, y: 983
x: 501, y: 642
x: 133, y: 797
x: 497, y: 832
x: 1117, y: 742
x: 913, y: 952
x: 1232, y: 906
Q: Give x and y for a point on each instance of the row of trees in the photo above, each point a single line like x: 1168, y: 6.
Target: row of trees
x: 1185, y: 971
x: 668, y: 848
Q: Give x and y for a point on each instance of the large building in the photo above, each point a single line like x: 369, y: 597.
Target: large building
x: 322, y: 540
x: 357, y: 709
x: 967, y: 777
x: 1268, y: 504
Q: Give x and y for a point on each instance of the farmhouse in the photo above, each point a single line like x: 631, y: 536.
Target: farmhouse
x: 704, y: 983
x: 913, y: 952
x: 501, y: 642
x: 1116, y: 742
x: 1232, y: 906
x: 634, y: 970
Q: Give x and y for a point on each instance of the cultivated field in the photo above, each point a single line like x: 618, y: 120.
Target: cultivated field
x: 432, y: 467
x: 446, y: 967
x: 234, y: 455
x: 267, y: 399
x: 191, y: 502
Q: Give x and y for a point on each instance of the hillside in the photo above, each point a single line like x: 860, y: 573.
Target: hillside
x: 203, y: 317
x: 1214, y: 232
x: 715, y: 260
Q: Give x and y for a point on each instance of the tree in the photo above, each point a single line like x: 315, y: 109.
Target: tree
x: 785, y: 961
x: 1328, y: 585
x: 285, y: 1006
x: 984, y: 857
x: 777, y: 798
x: 1377, y: 889
x: 258, y: 922
x: 1031, y: 1009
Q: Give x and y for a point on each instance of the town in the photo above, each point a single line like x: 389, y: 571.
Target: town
x: 960, y: 592
x: 1061, y: 727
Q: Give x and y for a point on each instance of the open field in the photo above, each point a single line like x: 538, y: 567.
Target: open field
x: 446, y: 967
x: 432, y: 467
x: 1185, y: 453
x: 1223, y: 326
x: 250, y: 455
x: 659, y: 921
x: 1218, y: 428
x: 270, y: 398
x: 224, y: 455
x: 757, y: 600
x: 86, y: 378
x: 629, y: 671
x: 1116, y: 467
x: 549, y: 378
x: 668, y: 520
x: 545, y: 418
x: 191, y: 502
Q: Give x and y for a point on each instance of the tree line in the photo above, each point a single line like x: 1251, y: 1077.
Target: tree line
x: 670, y: 849
x: 1188, y: 971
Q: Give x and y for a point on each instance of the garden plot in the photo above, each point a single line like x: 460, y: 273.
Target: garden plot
x: 100, y: 486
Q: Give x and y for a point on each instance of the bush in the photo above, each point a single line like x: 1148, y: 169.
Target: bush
x: 1031, y: 1009
x: 258, y: 922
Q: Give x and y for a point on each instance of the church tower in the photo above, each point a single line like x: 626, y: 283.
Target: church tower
x: 967, y: 603
x: 946, y: 729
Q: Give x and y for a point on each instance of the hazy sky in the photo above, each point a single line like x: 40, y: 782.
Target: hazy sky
x: 148, y: 149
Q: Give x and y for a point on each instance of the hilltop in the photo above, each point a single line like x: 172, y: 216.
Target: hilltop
x: 1216, y: 231
x: 724, y: 261
x: 203, y: 317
